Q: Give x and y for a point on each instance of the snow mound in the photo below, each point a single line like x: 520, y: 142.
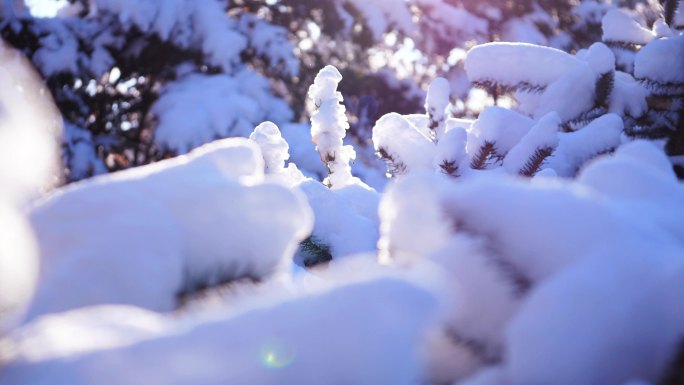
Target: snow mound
x: 278, y: 344
x: 144, y: 236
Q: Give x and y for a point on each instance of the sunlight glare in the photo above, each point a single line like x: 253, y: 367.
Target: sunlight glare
x: 45, y: 8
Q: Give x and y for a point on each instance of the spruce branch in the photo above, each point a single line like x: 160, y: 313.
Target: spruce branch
x: 394, y: 166
x: 535, y: 162
x: 450, y: 168
x: 314, y: 251
x: 662, y: 89
x: 669, y: 10
x: 495, y: 88
x: 583, y: 119
x: 216, y: 280
x: 484, y: 153
x: 604, y: 88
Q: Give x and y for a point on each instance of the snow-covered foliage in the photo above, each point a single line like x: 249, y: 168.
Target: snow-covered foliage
x: 539, y: 242
x: 130, y: 76
x: 198, y: 108
x: 328, y: 127
x: 138, y: 220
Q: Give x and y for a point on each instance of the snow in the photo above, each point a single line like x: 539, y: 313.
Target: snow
x: 460, y: 272
x: 80, y: 151
x: 507, y: 242
x: 329, y: 125
x: 516, y: 64
x: 590, y: 302
x: 619, y: 27
x: 140, y: 228
x: 577, y: 85
x: 277, y: 344
x: 628, y: 96
x: 451, y: 151
x: 274, y: 148
x: 503, y: 127
x: 576, y: 148
x: 436, y: 104
x: 199, y: 108
x: 406, y: 203
x: 648, y: 62
x: 543, y: 136
x: 192, y: 23
x: 600, y: 58
x: 337, y: 224
x: 649, y: 188
x: 408, y: 149
x: 57, y: 52
x: 270, y: 41
x: 61, y: 335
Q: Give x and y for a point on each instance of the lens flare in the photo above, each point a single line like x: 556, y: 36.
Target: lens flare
x: 277, y: 354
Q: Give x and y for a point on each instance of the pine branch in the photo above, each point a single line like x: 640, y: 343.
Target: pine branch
x: 583, y: 119
x: 315, y: 252
x: 669, y: 10
x: 483, y: 155
x: 213, y: 281
x: 604, y: 87
x: 449, y: 167
x: 535, y: 162
x: 394, y: 167
x: 662, y: 89
x: 496, y: 88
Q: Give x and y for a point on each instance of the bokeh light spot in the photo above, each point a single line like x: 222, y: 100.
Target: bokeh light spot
x: 277, y: 354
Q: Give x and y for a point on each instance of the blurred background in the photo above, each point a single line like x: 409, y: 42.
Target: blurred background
x: 138, y: 81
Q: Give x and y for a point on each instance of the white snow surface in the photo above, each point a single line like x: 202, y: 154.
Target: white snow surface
x: 543, y: 135
x: 281, y: 343
x: 329, y: 126
x: 628, y: 96
x: 648, y: 63
x: 143, y: 236
x: 274, y: 148
x: 409, y: 148
x: 576, y: 148
x: 503, y: 127
x: 513, y: 64
x: 620, y: 27
x: 451, y: 151
x: 613, y: 231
